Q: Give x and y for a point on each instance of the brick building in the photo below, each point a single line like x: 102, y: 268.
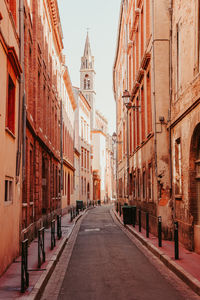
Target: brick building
x: 185, y: 120
x: 83, y: 178
x: 68, y: 131
x: 11, y: 90
x: 43, y: 72
x: 141, y: 67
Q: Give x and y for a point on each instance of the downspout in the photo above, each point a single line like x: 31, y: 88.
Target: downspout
x: 61, y: 139
x: 154, y: 96
x: 127, y: 123
x: 170, y: 107
x: 21, y: 88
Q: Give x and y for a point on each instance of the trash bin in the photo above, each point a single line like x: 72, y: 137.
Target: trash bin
x: 129, y: 215
x: 79, y: 205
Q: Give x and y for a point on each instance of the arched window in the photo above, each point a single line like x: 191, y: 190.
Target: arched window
x: 86, y: 82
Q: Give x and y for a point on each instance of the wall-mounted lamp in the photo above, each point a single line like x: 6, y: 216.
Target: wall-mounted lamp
x: 114, y: 138
x: 126, y: 97
x: 161, y: 122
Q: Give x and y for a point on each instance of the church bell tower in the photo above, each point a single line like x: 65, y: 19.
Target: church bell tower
x: 87, y: 76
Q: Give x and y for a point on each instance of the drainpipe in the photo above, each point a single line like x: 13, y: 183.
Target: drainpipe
x: 170, y: 106
x: 21, y: 88
x: 127, y: 114
x: 154, y: 96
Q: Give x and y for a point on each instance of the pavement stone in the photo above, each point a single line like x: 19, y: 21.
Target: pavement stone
x: 187, y: 267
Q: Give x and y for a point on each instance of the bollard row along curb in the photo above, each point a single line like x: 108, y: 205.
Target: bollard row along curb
x: 38, y: 289
x: 190, y: 280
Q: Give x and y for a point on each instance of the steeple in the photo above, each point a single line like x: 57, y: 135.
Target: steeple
x: 87, y: 60
x: 87, y: 78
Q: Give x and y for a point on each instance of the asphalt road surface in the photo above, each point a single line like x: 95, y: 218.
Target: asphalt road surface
x: 103, y: 263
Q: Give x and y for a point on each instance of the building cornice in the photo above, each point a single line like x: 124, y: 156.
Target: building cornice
x: 84, y: 101
x: 98, y: 131
x: 68, y: 85
x: 68, y: 164
x: 56, y: 24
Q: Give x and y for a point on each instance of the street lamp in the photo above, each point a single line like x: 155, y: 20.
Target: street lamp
x: 126, y: 96
x: 126, y: 101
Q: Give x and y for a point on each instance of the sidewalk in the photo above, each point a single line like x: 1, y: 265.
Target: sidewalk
x: 187, y: 267
x: 10, y: 282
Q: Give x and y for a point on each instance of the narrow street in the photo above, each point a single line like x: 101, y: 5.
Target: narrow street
x: 106, y: 264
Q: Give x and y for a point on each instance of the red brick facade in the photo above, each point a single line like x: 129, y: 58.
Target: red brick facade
x: 41, y: 187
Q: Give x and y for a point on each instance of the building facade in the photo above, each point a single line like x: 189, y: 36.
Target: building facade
x: 185, y: 121
x: 143, y: 163
x: 99, y: 143
x: 43, y: 56
x: 85, y: 150
x: 68, y: 132
x: 11, y: 90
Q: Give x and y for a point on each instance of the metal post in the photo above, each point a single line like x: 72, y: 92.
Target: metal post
x: 24, y: 266
x: 127, y: 151
x: 120, y: 209
x: 117, y: 207
x: 59, y: 231
x: 53, y: 238
x: 147, y: 224
x: 176, y: 248
x: 139, y: 221
x: 71, y: 213
x: 159, y: 231
x: 41, y: 246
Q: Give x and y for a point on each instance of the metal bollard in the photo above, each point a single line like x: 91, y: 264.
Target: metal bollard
x: 159, y: 231
x: 59, y: 231
x: 139, y: 220
x: 176, y: 248
x: 24, y: 266
x: 41, y: 247
x: 71, y: 214
x: 53, y: 238
x: 147, y: 224
x: 120, y: 209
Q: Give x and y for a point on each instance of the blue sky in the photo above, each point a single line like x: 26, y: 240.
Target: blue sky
x: 101, y: 16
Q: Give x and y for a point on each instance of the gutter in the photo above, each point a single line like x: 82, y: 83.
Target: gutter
x: 21, y: 88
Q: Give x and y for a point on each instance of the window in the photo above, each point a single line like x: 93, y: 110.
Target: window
x: 88, y: 160
x: 143, y: 113
x: 149, y: 120
x: 177, y: 179
x: 82, y: 185
x: 31, y: 175
x: 81, y: 157
x: 138, y: 183
x: 134, y: 185
x: 8, y: 190
x: 10, y: 117
x: 150, y: 183
x: 178, y: 73
x: 144, y: 184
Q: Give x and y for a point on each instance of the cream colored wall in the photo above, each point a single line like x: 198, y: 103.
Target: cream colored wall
x: 9, y: 212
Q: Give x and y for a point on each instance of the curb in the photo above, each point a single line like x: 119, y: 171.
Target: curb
x: 38, y: 289
x: 190, y: 280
